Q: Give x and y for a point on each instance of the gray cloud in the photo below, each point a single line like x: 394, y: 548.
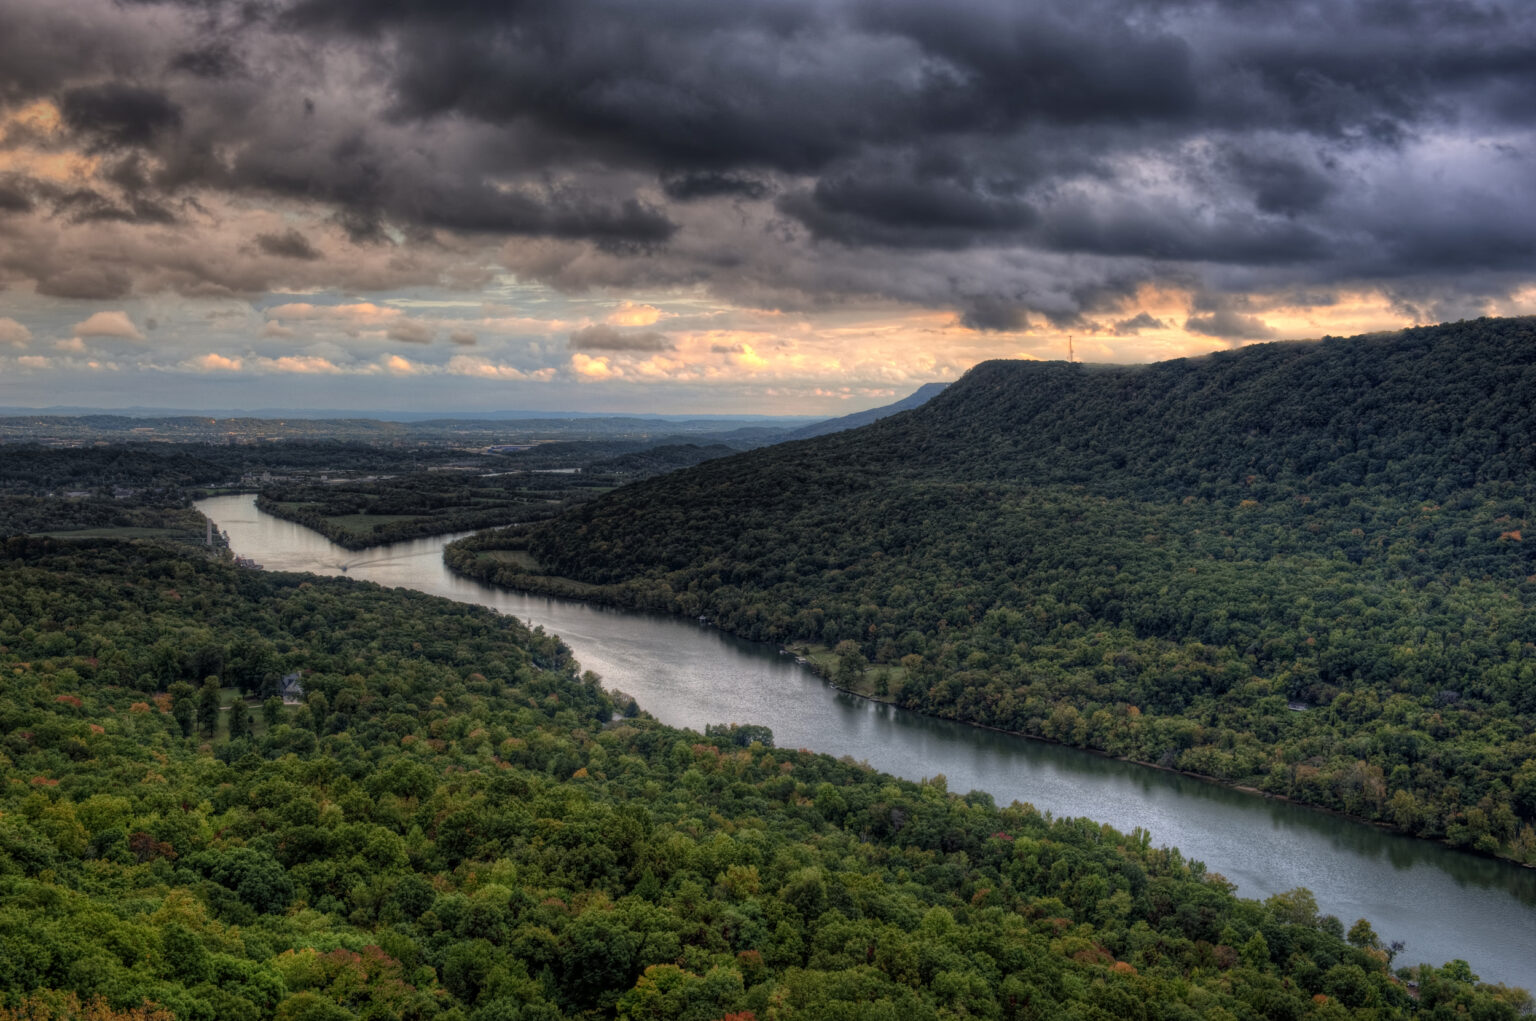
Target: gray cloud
x: 290, y: 244
x: 15, y: 194
x: 1227, y: 324
x: 115, y: 114
x: 1006, y: 160
x: 93, y: 282
x: 704, y: 184
x: 987, y: 313
x: 411, y: 331
x: 602, y: 337
x: 1135, y: 324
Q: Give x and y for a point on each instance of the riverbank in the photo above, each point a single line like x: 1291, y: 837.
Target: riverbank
x: 1216, y: 781
x: 472, y: 560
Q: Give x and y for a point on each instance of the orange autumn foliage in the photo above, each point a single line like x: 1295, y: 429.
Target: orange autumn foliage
x: 51, y: 1005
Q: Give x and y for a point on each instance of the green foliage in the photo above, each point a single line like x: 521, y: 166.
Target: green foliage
x: 461, y: 826
x: 357, y: 515
x: 1296, y: 567
x: 239, y: 719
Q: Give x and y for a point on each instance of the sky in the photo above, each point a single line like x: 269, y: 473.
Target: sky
x: 756, y: 206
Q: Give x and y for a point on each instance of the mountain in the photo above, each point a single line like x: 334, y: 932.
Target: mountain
x: 1299, y: 567
x: 922, y: 395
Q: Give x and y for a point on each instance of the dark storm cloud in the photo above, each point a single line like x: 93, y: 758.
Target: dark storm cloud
x: 211, y: 61
x: 1012, y: 161
x: 115, y: 114
x: 996, y: 314
x: 1280, y: 183
x: 288, y: 245
x: 711, y: 183
x: 916, y: 211
x: 16, y: 193
x: 372, y: 186
x: 607, y: 338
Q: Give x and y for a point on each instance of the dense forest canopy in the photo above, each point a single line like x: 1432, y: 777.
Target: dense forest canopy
x: 453, y: 824
x: 1300, y: 567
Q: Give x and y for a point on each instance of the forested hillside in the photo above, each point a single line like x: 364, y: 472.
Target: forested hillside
x: 454, y: 825
x: 1300, y: 567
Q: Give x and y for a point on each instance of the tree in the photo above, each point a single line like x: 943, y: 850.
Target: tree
x: 239, y: 719
x: 208, y: 706
x: 1255, y: 952
x: 1363, y: 936
x: 183, y: 707
x: 850, y: 663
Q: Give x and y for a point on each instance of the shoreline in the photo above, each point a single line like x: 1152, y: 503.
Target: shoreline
x: 1215, y: 781
x: 596, y: 596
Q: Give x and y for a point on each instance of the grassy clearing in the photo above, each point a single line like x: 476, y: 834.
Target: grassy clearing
x: 824, y: 661
x: 521, y: 559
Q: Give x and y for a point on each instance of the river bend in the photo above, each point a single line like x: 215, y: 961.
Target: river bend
x: 1443, y: 904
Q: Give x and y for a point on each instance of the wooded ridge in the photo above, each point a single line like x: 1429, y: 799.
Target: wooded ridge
x: 1300, y: 566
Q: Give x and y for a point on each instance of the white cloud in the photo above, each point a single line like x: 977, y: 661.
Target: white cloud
x: 363, y: 313
x: 480, y: 368
x: 631, y: 314
x: 212, y: 362
x: 403, y: 366
x: 13, y: 333
x: 301, y: 364
x: 109, y: 324
x: 588, y: 367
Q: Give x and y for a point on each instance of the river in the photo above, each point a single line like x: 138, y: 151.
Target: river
x: 1441, y: 903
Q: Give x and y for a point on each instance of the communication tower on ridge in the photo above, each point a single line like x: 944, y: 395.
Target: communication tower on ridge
x: 1071, y: 355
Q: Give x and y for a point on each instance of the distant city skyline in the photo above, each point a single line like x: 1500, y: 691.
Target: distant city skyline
x: 801, y: 207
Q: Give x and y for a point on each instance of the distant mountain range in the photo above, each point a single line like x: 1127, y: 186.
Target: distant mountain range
x: 916, y: 399
x: 379, y: 415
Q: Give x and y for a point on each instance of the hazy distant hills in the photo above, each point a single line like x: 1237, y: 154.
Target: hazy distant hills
x: 922, y: 395
x: 385, y: 415
x: 1152, y: 561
